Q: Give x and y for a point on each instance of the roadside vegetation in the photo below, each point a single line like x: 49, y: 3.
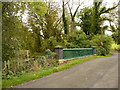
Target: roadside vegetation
x: 115, y: 47
x: 41, y: 72
x: 31, y: 30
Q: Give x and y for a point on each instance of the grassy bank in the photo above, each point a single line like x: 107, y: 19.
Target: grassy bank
x: 44, y: 72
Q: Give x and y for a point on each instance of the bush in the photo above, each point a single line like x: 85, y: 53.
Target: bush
x: 78, y: 40
x: 100, y: 51
x: 115, y: 46
x: 49, y: 53
x: 51, y: 61
x: 71, y: 45
x: 102, y: 41
x: 46, y: 60
x: 49, y: 43
x: 16, y: 68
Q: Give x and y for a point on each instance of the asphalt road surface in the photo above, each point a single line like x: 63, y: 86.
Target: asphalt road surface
x: 96, y: 73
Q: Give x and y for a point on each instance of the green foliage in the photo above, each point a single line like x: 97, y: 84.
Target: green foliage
x: 49, y: 53
x: 84, y: 22
x: 36, y: 13
x: 45, y: 25
x: 116, y: 36
x: 91, y: 19
x: 43, y: 72
x: 49, y: 43
x: 102, y: 41
x: 11, y: 32
x: 45, y: 28
x: 13, y: 68
x: 52, y: 23
x: 100, y: 51
x: 39, y: 8
x: 78, y: 40
x: 43, y: 32
x: 115, y: 46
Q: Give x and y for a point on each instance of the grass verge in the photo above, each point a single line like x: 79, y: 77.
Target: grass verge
x: 44, y: 72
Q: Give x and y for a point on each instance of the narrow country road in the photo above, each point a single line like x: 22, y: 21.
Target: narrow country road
x: 96, y: 73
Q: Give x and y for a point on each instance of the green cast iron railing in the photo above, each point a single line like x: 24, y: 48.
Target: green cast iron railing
x: 78, y: 52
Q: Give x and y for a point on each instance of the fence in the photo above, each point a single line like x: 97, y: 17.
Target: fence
x: 73, y: 53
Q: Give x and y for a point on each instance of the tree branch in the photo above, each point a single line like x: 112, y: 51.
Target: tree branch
x: 70, y: 10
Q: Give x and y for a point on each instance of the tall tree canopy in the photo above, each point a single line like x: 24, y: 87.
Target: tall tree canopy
x: 91, y: 19
x: 97, y: 18
x: 11, y: 25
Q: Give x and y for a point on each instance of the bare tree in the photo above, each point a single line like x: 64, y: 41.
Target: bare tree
x: 73, y: 15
